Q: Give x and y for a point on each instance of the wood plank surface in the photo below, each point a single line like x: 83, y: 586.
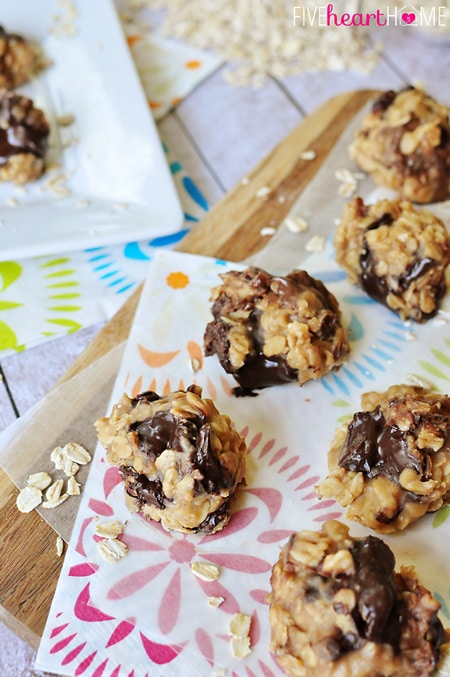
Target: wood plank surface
x: 29, y: 567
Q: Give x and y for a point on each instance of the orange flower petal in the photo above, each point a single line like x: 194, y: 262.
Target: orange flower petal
x: 211, y: 389
x: 195, y: 352
x: 226, y: 386
x: 156, y: 359
x: 131, y: 39
x: 137, y: 387
x: 177, y: 280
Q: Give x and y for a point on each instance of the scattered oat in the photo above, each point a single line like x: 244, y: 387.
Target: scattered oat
x: 282, y: 199
x: 40, y: 480
x: 54, y: 491
x: 219, y: 672
x: 112, y: 550
x: 55, y: 502
x: 348, y: 189
x: 65, y: 120
x: 308, y: 155
x: 239, y: 624
x: 57, y: 458
x: 245, y: 180
x: 70, y: 467
x: 82, y: 202
x: 28, y: 499
x: 416, y: 380
x: 194, y: 364
x: 296, y: 224
x: 215, y: 601
x: 316, y: 244
x: 110, y: 529
x: 59, y: 546
x: 75, y: 452
x: 410, y: 336
x: 64, y: 24
x: 268, y: 230
x: 73, y: 487
x: 348, y: 181
x: 121, y: 206
x: 56, y: 183
x: 12, y: 202
x: 281, y: 41
x: 205, y: 571
x: 240, y: 646
x: 264, y: 191
x: 239, y: 627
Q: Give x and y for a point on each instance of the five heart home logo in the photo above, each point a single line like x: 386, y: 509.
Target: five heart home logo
x: 408, y: 17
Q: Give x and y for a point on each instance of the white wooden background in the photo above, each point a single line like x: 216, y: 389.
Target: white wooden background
x: 219, y: 133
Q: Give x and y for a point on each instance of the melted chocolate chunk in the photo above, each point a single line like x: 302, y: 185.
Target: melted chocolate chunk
x: 146, y: 491
x: 164, y: 431
x: 377, y: 286
x: 19, y: 136
x: 373, y: 447
x: 383, y: 102
x: 210, y: 523
x: 203, y: 458
x: 378, y: 612
x: 154, y: 434
x: 147, y: 396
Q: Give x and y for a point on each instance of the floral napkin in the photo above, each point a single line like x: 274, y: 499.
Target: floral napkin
x: 147, y: 615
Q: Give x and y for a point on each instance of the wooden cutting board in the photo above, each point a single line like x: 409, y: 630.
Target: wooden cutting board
x: 29, y: 567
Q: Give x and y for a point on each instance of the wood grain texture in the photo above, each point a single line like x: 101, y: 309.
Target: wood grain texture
x: 232, y: 230
x: 29, y: 567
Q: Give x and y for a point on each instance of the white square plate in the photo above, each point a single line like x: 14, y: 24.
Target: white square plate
x: 119, y: 186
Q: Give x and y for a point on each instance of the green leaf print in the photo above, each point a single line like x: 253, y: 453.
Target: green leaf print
x: 10, y: 271
x: 7, y: 305
x: 441, y: 517
x: 70, y: 324
x: 8, y: 338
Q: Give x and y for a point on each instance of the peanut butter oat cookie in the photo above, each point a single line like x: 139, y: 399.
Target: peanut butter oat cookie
x: 181, y: 460
x: 398, y: 254
x: 404, y: 144
x: 391, y: 463
x: 339, y: 608
x: 269, y: 329
x: 24, y: 133
x: 17, y: 59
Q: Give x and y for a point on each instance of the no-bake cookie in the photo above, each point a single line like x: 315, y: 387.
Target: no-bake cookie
x: 181, y: 460
x: 270, y: 329
x: 391, y: 463
x: 17, y: 59
x: 404, y: 144
x: 339, y: 608
x: 24, y: 133
x: 398, y: 254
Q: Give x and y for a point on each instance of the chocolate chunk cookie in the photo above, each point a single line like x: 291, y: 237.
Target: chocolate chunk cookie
x: 17, y: 59
x: 181, y: 460
x: 398, y: 254
x: 338, y: 607
x: 404, y: 144
x: 24, y: 133
x: 269, y: 329
x: 391, y: 463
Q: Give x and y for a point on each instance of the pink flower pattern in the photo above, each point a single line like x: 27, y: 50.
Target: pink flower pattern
x: 162, y: 573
